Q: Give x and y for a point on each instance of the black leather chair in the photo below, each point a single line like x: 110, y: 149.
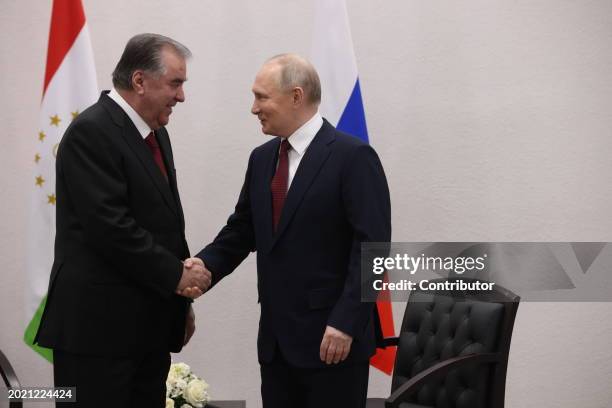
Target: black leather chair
x: 10, y: 378
x: 452, y: 349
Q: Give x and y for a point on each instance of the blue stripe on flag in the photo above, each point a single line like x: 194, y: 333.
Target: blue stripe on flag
x: 353, y: 120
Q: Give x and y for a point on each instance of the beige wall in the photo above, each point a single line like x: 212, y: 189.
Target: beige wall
x: 492, y: 119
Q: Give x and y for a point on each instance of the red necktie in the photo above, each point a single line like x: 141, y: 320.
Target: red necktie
x: 279, y: 182
x: 151, y: 141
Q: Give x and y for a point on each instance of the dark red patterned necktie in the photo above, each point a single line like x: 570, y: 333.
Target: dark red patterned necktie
x: 151, y: 141
x: 279, y: 182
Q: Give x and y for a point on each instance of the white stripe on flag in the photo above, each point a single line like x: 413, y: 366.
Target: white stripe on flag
x: 333, y: 57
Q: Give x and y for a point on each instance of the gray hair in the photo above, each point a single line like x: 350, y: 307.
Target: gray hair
x: 297, y: 71
x: 143, y: 52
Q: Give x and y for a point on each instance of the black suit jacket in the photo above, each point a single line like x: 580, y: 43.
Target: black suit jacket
x: 119, y: 241
x: 308, y: 272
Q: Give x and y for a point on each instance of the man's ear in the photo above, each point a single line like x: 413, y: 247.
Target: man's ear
x: 138, y: 82
x: 298, y: 96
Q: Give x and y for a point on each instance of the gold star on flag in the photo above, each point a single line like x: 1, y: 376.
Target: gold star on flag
x: 51, y: 199
x: 74, y: 114
x: 36, y: 158
x: 41, y: 135
x: 55, y: 120
x: 39, y: 181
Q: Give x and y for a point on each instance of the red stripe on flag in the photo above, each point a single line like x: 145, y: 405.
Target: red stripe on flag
x: 384, y: 359
x: 67, y: 20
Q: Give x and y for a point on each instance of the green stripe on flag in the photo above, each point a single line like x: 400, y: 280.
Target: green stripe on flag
x: 31, y: 331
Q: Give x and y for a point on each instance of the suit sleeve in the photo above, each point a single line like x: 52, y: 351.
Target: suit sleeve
x: 91, y: 168
x: 368, y: 206
x: 236, y: 239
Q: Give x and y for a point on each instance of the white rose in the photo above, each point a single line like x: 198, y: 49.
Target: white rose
x: 169, y: 403
x: 195, y: 393
x: 171, y: 376
x: 180, y: 370
x: 186, y: 406
x: 177, y: 387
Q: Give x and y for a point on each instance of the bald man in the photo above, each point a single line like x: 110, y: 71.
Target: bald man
x: 311, y: 196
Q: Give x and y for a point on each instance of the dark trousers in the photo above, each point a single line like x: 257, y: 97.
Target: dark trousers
x: 138, y: 381
x: 284, y: 386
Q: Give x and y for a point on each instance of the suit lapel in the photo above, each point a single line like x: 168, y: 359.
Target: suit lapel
x: 314, y: 157
x: 140, y: 149
x: 269, y: 170
x: 166, y: 149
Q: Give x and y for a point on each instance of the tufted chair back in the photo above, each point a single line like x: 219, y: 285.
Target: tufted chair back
x: 438, y: 326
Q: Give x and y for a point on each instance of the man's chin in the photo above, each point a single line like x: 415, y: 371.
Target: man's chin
x: 163, y: 121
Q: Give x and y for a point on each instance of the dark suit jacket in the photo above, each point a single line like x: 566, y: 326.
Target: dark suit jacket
x: 309, y: 270
x: 119, y: 241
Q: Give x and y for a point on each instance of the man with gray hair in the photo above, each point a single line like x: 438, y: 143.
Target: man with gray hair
x: 310, y: 197
x: 113, y: 315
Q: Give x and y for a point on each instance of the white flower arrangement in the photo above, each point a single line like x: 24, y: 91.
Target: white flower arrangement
x: 184, y: 389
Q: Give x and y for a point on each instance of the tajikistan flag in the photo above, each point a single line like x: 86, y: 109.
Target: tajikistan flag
x: 70, y: 86
x: 341, y: 104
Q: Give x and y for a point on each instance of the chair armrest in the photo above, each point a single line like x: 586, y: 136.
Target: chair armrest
x: 10, y: 378
x: 437, y: 370
x: 8, y: 374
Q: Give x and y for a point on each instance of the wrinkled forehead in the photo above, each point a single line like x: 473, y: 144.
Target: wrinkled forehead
x: 170, y: 58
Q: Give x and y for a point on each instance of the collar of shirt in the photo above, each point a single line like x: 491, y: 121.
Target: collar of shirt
x: 136, y: 119
x: 301, y: 138
x: 299, y: 141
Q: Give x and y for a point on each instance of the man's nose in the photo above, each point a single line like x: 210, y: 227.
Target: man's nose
x: 180, y: 95
x: 255, y: 108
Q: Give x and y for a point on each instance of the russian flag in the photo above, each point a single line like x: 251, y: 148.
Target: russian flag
x: 341, y: 104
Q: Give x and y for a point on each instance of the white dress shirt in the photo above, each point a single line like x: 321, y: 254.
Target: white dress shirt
x: 138, y: 121
x: 299, y: 142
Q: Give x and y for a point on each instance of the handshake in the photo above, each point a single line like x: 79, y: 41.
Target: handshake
x: 196, y: 279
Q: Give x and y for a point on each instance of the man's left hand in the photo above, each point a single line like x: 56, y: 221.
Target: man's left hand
x: 189, y: 325
x: 335, y: 346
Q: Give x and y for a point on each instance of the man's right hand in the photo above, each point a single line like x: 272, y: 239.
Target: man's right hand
x: 195, y: 280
